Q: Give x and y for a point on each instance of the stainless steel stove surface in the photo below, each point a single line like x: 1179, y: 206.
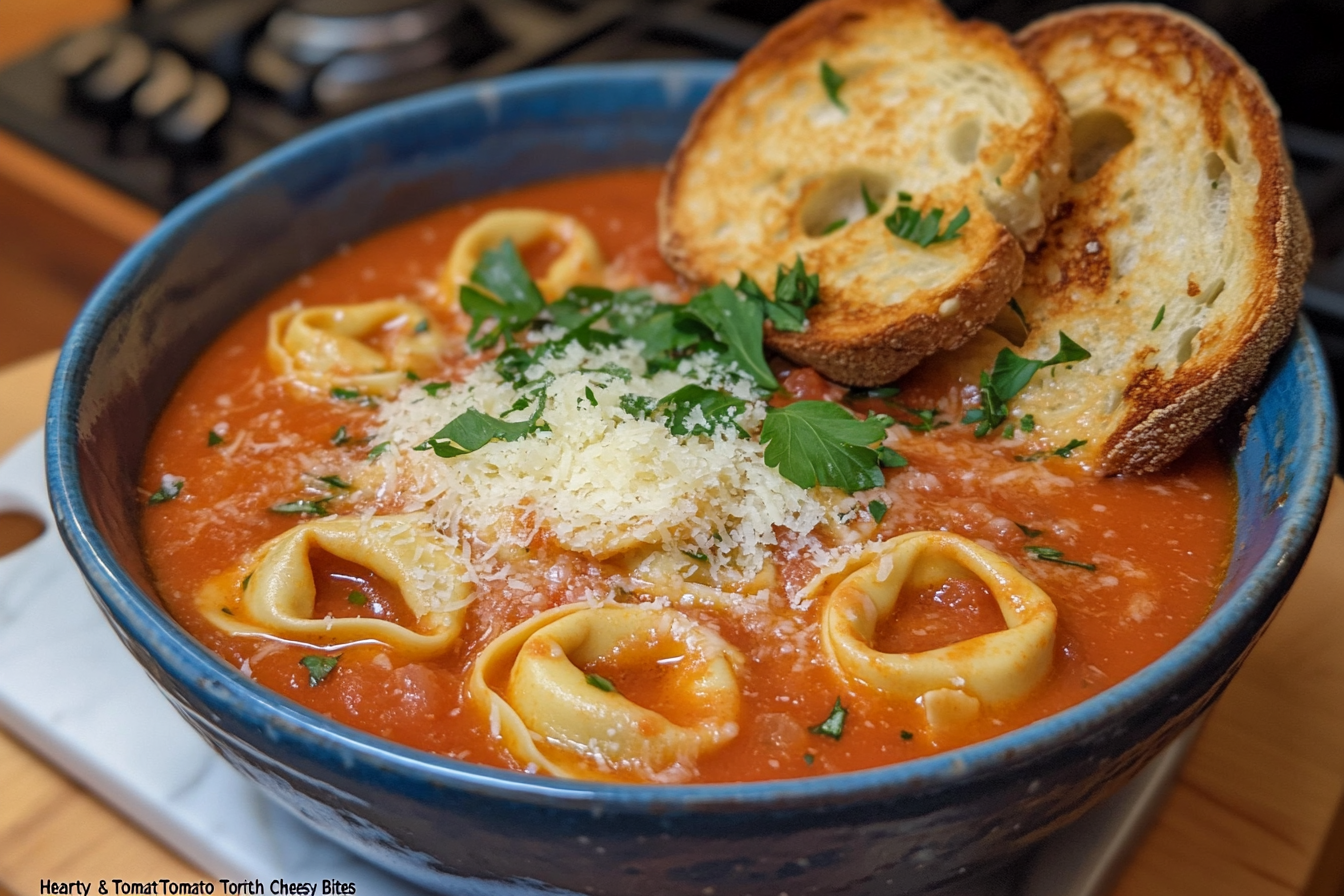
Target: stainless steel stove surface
x: 177, y: 92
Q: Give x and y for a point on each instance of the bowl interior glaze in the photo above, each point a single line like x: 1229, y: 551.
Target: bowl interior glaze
x: 450, y: 825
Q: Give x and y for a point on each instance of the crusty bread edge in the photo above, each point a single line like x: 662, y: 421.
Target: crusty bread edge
x: 1169, y: 415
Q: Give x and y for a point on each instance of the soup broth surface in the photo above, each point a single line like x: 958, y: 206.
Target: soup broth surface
x: 242, y: 443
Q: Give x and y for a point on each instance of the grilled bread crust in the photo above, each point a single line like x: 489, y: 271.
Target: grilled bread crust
x: 1180, y: 262
x: 944, y: 111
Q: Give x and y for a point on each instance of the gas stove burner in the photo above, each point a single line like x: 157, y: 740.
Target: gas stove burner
x: 312, y: 32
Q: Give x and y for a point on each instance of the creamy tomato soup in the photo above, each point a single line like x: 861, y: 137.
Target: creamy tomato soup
x: 611, y: 583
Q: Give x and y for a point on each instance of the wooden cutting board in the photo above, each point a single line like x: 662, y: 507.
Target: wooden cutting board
x: 1255, y: 812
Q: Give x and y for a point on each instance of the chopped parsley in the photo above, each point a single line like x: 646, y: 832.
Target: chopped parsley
x: 832, y: 81
x: 1010, y: 375
x: 1061, y: 451
x: 870, y: 204
x: 316, y: 507
x: 472, y: 430
x: 377, y: 450
x: 710, y: 411
x: 821, y: 443
x: 333, y: 481
x: 421, y: 326
x: 319, y: 667
x: 834, y: 226
x: 1054, y: 555
x: 736, y: 320
x: 795, y: 291
x: 1157, y: 321
x: 412, y: 376
x: 809, y: 758
x: 1028, y: 423
x: 433, y: 389
x: 834, y: 725
x: 345, y: 394
x: 891, y: 459
x: 213, y: 438
x: 910, y: 224
x: 502, y: 292
x: 340, y: 437
x: 169, y: 488
x: 906, y: 735
x: 1028, y: 531
x: 925, y: 416
x: 602, y: 684
x: 697, y: 555
x: 878, y: 510
x: 358, y: 598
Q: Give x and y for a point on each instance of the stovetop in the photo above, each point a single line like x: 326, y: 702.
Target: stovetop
x: 175, y: 93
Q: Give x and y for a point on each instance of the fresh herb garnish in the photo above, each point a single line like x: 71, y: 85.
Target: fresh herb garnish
x: 834, y: 226
x: 421, y: 326
x: 736, y: 320
x: 377, y: 450
x: 927, y: 419
x: 834, y: 726
x: 821, y: 443
x: 1010, y: 375
x: 1054, y: 555
x: 358, y: 598
x: 870, y: 204
x: 1028, y: 531
x: 907, y: 735
x: 697, y: 555
x: 640, y: 407
x: 891, y: 459
x: 1061, y: 451
x: 1028, y: 423
x: 908, y: 223
x: 878, y: 510
x: 472, y: 430
x: 340, y: 437
x: 213, y: 438
x: 1157, y: 321
x: 246, y: 579
x: 315, y: 507
x: 319, y: 667
x: 506, y: 296
x: 602, y: 684
x: 346, y: 394
x: 333, y: 481
x: 832, y: 81
x: 433, y: 389
x: 169, y: 488
x: 809, y: 758
x: 718, y: 410
x: 412, y: 376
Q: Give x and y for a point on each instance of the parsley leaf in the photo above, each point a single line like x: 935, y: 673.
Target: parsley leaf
x: 340, y: 437
x: 891, y: 459
x: 213, y: 438
x: 736, y: 320
x: 718, y: 409
x: 345, y: 394
x: 315, y: 508
x: 471, y: 430
x: 908, y: 223
x: 377, y: 450
x: 433, y: 389
x: 1010, y: 375
x: 602, y: 684
x: 319, y: 667
x: 638, y: 406
x: 169, y: 488
x: 1028, y: 531
x: 834, y: 226
x: 878, y: 510
x: 697, y: 555
x: 1157, y: 321
x: 358, y: 598
x: 821, y: 443
x: 1066, y: 450
x: 870, y: 204
x: 1054, y: 555
x: 834, y: 726
x: 795, y: 291
x: 832, y: 81
x: 333, y: 481
x: 927, y: 419
x: 506, y: 296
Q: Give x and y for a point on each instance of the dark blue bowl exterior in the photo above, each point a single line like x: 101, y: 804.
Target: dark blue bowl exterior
x: 444, y: 823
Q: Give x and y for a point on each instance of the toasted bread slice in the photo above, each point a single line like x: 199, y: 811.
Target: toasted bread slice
x: 944, y: 113
x: 1180, y: 251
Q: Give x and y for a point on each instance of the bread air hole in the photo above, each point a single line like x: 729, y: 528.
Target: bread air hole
x: 964, y: 141
x: 838, y: 199
x: 1185, y: 346
x: 1097, y: 136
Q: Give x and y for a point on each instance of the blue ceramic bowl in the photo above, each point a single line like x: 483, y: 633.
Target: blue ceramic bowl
x: 456, y: 827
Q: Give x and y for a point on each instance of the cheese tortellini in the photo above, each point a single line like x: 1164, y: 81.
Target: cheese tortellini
x: 950, y: 682
x: 278, y: 590
x: 579, y: 260
x: 553, y: 715
x: 367, y: 347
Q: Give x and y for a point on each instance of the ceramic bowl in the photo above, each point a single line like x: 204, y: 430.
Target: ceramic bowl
x: 460, y: 828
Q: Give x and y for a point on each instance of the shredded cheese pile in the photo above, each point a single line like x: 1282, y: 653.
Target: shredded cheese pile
x: 597, y: 477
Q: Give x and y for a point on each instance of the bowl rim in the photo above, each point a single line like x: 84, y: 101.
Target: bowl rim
x: 208, y: 677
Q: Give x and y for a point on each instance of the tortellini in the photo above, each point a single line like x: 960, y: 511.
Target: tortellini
x: 552, y: 715
x: 367, y: 347
x: 951, y: 682
x: 579, y: 260
x: 278, y: 591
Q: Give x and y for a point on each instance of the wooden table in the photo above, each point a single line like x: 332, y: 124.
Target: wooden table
x: 1256, y: 811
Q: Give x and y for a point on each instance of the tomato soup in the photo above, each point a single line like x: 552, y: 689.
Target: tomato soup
x: 740, y: 674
